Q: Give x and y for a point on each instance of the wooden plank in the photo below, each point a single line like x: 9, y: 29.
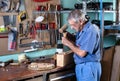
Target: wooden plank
x: 3, y: 44
x: 116, y: 63
x: 107, y: 64
x: 8, y: 13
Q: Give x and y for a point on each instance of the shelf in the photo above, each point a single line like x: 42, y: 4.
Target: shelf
x: 106, y: 11
x: 37, y: 12
x: 112, y: 27
x: 62, y: 11
x: 3, y: 32
x: 67, y: 11
x: 8, y: 13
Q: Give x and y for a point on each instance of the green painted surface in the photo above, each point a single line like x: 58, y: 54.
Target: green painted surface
x: 69, y: 3
x: 93, y: 15
x: 109, y: 41
x: 29, y: 54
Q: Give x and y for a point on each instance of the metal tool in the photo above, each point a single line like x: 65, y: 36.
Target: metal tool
x: 41, y: 27
x: 12, y: 38
x: 17, y: 6
x: 27, y: 28
x: 14, y: 41
x: 6, y: 20
x: 20, y: 29
x: 22, y: 16
x: 32, y: 30
x: 4, y: 5
x: 3, y: 64
x: 39, y: 19
x: 21, y: 39
x: 34, y: 44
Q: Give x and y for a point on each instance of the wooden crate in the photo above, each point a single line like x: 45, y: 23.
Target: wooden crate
x: 64, y: 59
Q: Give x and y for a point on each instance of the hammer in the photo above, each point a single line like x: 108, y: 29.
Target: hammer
x: 66, y: 34
x: 63, y: 28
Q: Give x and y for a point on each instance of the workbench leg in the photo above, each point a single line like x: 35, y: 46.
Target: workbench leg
x: 45, y: 77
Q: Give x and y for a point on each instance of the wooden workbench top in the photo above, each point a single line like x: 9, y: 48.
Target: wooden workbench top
x: 14, y: 73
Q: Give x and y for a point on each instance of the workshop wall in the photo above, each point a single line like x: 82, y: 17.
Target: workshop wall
x: 66, y: 4
x: 29, y: 8
x: 29, y: 55
x: 6, y: 55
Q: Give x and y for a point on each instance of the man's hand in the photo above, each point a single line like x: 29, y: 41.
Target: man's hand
x: 74, y: 48
x: 66, y: 42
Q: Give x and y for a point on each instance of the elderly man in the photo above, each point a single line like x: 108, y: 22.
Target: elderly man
x: 86, y: 48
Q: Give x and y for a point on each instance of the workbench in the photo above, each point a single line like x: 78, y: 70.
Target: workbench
x: 22, y: 73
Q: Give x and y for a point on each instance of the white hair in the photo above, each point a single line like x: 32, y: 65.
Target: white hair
x: 77, y: 15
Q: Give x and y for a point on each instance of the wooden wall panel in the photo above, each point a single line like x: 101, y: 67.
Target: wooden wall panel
x: 116, y: 65
x: 3, y: 44
x: 107, y: 61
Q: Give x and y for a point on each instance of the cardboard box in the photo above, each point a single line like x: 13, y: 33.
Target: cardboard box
x: 64, y: 59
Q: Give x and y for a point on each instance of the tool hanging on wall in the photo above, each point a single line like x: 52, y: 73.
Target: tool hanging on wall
x: 27, y: 29
x: 10, y: 23
x: 22, y: 12
x: 14, y: 6
x: 24, y: 31
x: 12, y: 39
x: 22, y: 16
x: 10, y: 20
x: 20, y: 29
x: 34, y: 44
x: 39, y: 19
x: 9, y: 5
x: 40, y: 27
x: 6, y: 20
x: 22, y: 39
x: 4, y: 5
x: 32, y: 30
